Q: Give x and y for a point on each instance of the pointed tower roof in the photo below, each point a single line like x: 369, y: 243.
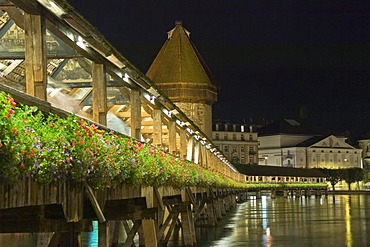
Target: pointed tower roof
x: 180, y: 72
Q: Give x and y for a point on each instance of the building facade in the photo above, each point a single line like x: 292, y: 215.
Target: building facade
x: 290, y: 143
x: 237, y: 142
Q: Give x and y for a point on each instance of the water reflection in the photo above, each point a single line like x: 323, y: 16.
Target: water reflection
x: 305, y: 221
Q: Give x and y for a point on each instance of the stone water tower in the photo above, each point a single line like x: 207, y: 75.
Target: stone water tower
x: 180, y: 72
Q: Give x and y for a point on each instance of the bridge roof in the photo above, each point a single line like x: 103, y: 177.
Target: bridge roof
x: 260, y: 170
x: 72, y: 46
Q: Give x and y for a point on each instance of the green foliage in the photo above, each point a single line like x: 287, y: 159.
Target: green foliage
x: 52, y: 149
x: 350, y: 175
x: 332, y: 175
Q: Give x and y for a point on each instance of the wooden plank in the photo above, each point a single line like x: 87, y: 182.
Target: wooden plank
x: 35, y: 55
x: 150, y: 235
x: 99, y: 94
x: 190, y: 148
x: 183, y: 143
x: 158, y: 198
x: 95, y: 204
x: 43, y: 225
x: 103, y: 234
x: 132, y: 233
x: 157, y: 127
x: 31, y: 7
x: 135, y: 99
x: 172, y: 148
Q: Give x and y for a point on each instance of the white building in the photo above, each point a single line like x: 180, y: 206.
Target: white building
x: 291, y: 143
x: 237, y: 142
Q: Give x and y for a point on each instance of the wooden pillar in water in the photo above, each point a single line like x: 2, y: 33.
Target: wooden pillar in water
x: 298, y: 193
x: 258, y: 194
x: 187, y: 223
x: 103, y: 234
x: 99, y: 94
x: 318, y: 193
x: 273, y: 193
x: 35, y: 55
x: 149, y: 230
x: 135, y: 100
x: 286, y: 193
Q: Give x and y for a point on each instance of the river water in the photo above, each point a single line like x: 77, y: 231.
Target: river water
x: 340, y: 220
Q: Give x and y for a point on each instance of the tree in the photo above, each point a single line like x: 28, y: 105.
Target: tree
x: 352, y: 175
x: 366, y: 171
x: 332, y: 176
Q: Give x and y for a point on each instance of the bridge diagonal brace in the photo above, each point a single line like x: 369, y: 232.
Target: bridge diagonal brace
x: 95, y: 204
x: 159, y: 198
x: 199, y: 209
x: 130, y: 236
x: 173, y: 217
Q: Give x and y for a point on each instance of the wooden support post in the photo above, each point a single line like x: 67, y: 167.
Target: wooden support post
x: 115, y: 230
x: 103, y: 234
x: 211, y: 209
x: 227, y: 203
x: 189, y: 152
x: 172, y: 137
x: 130, y: 236
x: 273, y: 193
x: 196, y: 152
x: 187, y: 226
x: 286, y: 193
x: 35, y: 55
x: 150, y: 235
x: 183, y: 143
x: 298, y: 193
x: 218, y: 207
x: 135, y: 100
x: 157, y: 127
x: 99, y: 85
x: 233, y: 200
x: 258, y: 194
x: 204, y: 154
x: 308, y: 193
x: 199, y: 208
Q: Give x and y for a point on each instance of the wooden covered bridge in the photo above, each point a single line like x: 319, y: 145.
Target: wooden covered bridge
x: 52, y: 58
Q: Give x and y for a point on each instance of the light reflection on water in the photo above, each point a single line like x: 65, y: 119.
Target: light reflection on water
x: 341, y: 220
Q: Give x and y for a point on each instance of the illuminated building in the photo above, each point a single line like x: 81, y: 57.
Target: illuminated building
x: 292, y: 143
x: 237, y: 142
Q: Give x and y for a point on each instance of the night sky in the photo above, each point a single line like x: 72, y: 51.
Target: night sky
x: 271, y: 59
